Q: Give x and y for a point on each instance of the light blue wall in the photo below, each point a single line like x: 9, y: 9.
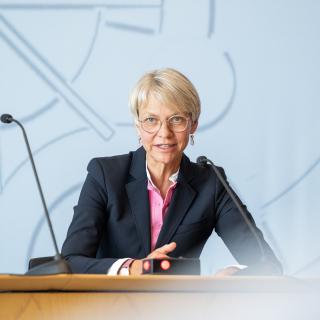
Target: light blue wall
x: 66, y: 68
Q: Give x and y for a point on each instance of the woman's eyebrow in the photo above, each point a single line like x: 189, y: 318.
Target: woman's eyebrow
x: 150, y: 114
x: 155, y: 115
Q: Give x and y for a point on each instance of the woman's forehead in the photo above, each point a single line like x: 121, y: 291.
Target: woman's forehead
x: 156, y: 106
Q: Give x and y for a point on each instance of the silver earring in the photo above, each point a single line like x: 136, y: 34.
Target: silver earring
x: 192, y: 139
x: 139, y: 140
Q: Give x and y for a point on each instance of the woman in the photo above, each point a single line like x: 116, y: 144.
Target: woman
x: 154, y: 202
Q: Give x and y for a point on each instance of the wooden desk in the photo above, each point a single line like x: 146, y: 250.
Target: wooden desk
x: 158, y: 297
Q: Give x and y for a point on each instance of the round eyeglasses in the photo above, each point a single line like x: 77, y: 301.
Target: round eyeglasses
x: 175, y: 123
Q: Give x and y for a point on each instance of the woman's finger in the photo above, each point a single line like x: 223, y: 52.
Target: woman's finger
x: 167, y: 248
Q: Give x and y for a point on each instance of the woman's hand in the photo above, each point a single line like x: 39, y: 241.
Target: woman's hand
x: 159, y: 253
x: 229, y: 271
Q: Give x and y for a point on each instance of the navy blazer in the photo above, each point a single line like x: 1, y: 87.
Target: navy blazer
x: 112, y: 218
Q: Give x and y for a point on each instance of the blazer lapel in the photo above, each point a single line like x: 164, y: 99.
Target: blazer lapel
x: 182, y: 198
x: 139, y: 198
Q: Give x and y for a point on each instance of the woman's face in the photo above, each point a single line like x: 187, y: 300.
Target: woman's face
x: 164, y: 146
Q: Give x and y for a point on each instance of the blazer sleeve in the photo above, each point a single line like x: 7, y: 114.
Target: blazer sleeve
x: 240, y: 240
x: 86, y: 229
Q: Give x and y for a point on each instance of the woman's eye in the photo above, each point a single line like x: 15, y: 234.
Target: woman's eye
x: 150, y: 120
x: 176, y: 119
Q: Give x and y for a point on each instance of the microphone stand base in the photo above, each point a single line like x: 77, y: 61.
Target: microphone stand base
x: 56, y: 266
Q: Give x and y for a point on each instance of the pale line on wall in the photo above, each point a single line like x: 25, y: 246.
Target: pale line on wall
x: 32, y: 49
x: 129, y: 27
x: 43, y: 147
x: 310, y: 264
x: 67, y: 193
x: 32, y: 116
x: 90, y: 50
x: 290, y: 187
x: 161, y: 16
x: 65, y: 86
x: 229, y: 104
x: 73, y: 6
x: 211, y: 21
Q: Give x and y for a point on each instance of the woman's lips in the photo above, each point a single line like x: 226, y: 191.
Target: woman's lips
x: 165, y: 146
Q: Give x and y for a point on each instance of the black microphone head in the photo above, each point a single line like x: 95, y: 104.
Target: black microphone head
x: 6, y: 118
x: 202, y: 160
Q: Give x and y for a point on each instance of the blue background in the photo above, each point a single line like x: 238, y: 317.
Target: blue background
x: 67, y: 67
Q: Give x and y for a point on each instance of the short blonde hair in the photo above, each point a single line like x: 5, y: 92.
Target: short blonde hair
x: 169, y: 86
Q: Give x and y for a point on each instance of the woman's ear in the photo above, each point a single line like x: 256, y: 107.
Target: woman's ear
x: 194, y: 127
x: 138, y: 132
x: 136, y: 125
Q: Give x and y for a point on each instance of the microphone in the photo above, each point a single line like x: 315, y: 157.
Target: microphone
x: 58, y: 265
x: 6, y: 118
x: 203, y: 161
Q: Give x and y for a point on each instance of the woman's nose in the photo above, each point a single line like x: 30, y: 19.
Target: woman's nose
x: 164, y: 129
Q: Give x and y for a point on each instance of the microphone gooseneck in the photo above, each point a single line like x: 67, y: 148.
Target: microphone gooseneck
x: 203, y: 161
x: 61, y: 265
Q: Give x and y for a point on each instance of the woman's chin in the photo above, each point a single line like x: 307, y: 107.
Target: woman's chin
x: 166, y: 158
